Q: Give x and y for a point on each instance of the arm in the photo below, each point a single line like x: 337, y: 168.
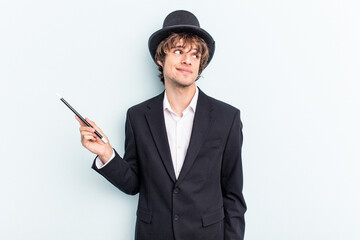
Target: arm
x: 121, y: 172
x: 232, y: 183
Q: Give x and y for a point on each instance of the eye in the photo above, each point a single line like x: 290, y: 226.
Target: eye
x: 196, y: 56
x: 177, y: 51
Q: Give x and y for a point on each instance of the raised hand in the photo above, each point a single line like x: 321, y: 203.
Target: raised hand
x: 92, y: 142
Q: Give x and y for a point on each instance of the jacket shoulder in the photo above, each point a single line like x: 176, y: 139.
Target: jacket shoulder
x: 222, y: 107
x: 145, y: 105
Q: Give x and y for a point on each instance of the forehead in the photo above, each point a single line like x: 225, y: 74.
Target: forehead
x: 181, y: 43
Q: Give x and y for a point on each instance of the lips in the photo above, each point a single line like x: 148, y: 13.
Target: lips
x: 184, y: 70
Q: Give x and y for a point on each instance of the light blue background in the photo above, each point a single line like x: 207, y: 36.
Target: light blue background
x: 292, y: 67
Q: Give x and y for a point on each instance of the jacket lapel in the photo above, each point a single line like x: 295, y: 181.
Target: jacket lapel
x: 201, y: 126
x: 156, y: 122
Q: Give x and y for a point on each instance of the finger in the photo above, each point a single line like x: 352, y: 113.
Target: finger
x: 87, y: 139
x: 98, y: 130
x: 95, y: 126
x: 79, y: 120
x: 90, y: 137
x: 87, y: 129
x: 87, y: 133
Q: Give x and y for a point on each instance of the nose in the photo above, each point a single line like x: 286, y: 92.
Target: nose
x: 186, y: 59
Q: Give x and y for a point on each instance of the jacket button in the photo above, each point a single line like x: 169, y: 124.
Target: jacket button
x: 176, y: 190
x: 176, y: 217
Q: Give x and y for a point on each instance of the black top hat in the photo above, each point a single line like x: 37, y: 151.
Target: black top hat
x: 177, y: 22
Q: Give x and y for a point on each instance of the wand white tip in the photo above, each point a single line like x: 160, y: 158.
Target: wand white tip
x: 58, y: 95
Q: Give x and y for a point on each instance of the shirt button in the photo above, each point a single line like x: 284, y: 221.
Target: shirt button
x: 176, y: 190
x: 176, y: 217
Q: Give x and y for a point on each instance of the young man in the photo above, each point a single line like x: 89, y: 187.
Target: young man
x: 182, y: 148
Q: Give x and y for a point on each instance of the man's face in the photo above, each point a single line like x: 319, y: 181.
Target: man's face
x: 181, y: 65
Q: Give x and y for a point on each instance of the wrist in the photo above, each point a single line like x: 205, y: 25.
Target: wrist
x: 107, y: 155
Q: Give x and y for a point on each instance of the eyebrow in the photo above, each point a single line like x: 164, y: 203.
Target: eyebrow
x: 182, y: 47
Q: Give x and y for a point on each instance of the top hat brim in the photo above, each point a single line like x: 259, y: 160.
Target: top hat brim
x: 156, y: 38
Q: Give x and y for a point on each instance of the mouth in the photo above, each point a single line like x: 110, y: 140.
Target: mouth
x: 184, y: 70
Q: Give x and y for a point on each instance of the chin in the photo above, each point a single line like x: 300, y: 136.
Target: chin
x: 182, y: 82
x: 185, y: 83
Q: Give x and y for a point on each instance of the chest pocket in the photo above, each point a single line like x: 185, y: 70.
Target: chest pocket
x: 213, y: 218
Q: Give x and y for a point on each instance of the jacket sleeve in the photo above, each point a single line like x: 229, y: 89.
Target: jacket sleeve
x: 232, y: 183
x: 124, y: 172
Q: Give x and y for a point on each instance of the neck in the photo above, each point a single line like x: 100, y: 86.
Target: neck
x: 180, y: 97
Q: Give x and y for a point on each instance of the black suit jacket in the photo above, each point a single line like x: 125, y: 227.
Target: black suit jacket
x: 206, y: 201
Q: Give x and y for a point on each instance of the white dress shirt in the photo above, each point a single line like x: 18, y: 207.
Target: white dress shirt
x: 178, y: 129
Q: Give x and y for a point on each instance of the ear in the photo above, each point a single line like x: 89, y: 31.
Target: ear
x: 160, y: 63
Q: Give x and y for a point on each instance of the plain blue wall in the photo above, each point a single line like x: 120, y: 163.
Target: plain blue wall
x: 292, y: 67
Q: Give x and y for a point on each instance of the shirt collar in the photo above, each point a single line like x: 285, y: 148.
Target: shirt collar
x: 192, y: 105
